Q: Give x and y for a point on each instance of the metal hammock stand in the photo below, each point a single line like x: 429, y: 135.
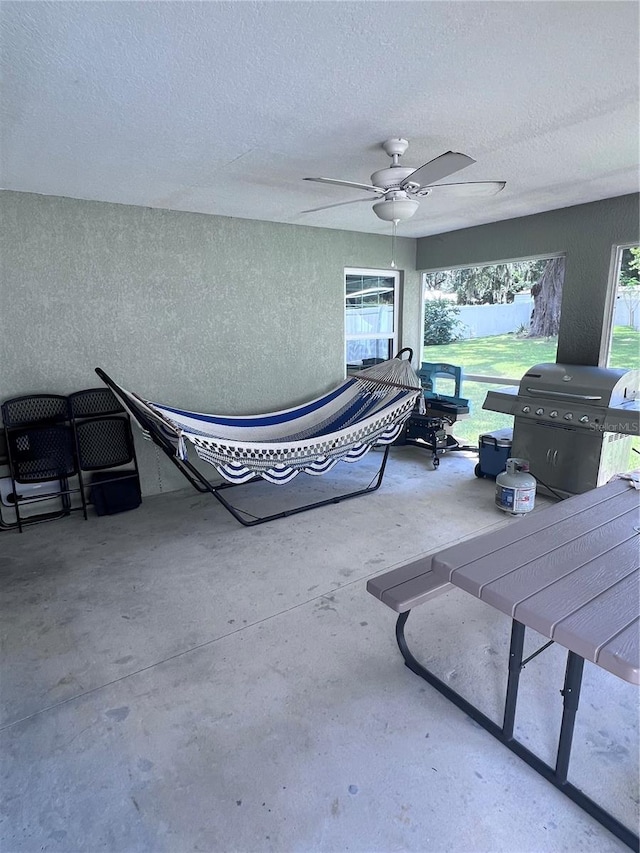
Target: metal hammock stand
x: 163, y: 434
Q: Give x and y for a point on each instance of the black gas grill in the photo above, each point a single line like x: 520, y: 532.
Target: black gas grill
x: 574, y: 423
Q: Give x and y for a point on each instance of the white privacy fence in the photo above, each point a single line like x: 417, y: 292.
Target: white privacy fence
x: 479, y: 321
x: 627, y: 310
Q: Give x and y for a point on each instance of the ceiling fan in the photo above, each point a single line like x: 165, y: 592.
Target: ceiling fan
x: 399, y: 188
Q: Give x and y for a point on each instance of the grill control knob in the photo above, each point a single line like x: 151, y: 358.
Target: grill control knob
x: 568, y: 416
x: 553, y: 414
x: 584, y: 419
x: 526, y: 409
x: 539, y: 411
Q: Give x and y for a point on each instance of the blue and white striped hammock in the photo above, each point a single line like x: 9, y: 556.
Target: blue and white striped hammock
x: 366, y: 409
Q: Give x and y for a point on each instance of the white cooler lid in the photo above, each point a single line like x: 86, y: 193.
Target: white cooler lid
x: 501, y: 437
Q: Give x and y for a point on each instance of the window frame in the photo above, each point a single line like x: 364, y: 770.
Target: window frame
x: 394, y: 337
x: 615, y: 265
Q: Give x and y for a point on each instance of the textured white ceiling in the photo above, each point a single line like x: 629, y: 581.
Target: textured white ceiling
x: 224, y: 107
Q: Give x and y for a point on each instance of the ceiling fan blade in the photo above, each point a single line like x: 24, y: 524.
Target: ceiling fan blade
x: 345, y: 183
x: 339, y: 204
x: 444, y: 165
x: 466, y: 190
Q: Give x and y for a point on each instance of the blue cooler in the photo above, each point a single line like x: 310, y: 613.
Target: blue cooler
x: 494, y: 448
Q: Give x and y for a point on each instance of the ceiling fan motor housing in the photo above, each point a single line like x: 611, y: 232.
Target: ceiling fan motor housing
x: 391, y: 177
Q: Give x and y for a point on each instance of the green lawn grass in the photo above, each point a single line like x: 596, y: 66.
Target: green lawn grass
x: 511, y: 356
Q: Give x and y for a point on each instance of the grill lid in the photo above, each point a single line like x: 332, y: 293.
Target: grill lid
x: 574, y: 397
x: 592, y: 386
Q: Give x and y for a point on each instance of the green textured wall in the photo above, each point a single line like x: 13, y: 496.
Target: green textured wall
x: 586, y: 233
x: 206, y: 312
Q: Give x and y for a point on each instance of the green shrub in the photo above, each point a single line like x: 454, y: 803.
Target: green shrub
x: 441, y: 324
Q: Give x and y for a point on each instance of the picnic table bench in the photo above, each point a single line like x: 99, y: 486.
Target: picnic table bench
x: 571, y: 572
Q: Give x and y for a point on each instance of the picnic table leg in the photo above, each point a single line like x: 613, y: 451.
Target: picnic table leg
x: 450, y: 694
x: 571, y: 696
x: 515, y: 667
x: 571, y: 692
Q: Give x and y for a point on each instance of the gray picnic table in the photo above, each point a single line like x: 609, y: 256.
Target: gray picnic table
x: 571, y: 572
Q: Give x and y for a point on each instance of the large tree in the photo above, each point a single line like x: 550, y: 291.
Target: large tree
x: 491, y: 284
x: 547, y: 296
x: 630, y: 267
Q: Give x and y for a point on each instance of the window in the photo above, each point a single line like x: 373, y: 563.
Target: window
x: 495, y: 321
x: 621, y: 340
x: 371, y: 316
x: 622, y: 337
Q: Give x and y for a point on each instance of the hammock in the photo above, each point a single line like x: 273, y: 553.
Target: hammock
x: 366, y: 409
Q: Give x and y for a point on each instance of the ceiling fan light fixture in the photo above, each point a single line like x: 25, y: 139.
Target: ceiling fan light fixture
x: 397, y: 209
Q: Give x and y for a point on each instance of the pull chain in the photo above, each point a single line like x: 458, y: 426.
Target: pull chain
x: 393, y: 243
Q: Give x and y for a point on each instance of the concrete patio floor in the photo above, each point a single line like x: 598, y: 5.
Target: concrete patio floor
x: 173, y: 681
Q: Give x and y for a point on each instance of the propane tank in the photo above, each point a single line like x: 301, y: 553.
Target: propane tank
x: 516, y: 488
